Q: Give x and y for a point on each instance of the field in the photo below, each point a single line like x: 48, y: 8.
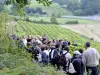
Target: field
x: 64, y: 20
x: 91, y: 31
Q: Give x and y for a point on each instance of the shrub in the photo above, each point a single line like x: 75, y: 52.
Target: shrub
x: 54, y: 20
x: 72, y: 22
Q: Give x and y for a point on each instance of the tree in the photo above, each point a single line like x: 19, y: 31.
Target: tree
x: 22, y: 3
x: 90, y: 7
x: 73, y: 5
x: 1, y: 6
x: 61, y: 2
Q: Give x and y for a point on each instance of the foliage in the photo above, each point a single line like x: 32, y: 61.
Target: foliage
x: 19, y: 65
x: 54, y: 20
x: 1, y: 7
x: 72, y: 22
x: 38, y: 10
x: 4, y: 40
x: 73, y: 5
x: 90, y: 7
x: 61, y: 2
x: 79, y: 12
x: 33, y: 8
x: 59, y: 15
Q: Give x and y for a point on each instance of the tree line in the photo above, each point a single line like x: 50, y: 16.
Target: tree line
x: 81, y: 7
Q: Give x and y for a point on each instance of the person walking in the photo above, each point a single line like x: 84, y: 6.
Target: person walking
x: 90, y: 59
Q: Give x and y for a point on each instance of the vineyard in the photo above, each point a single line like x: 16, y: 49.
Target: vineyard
x: 53, y: 31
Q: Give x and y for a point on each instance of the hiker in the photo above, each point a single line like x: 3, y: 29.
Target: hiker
x: 45, y: 55
x: 29, y: 40
x: 55, y: 56
x: 77, y: 63
x: 37, y: 52
x: 53, y: 42
x: 83, y: 68
x: 45, y: 38
x: 66, y: 57
x: 91, y: 59
x: 51, y: 51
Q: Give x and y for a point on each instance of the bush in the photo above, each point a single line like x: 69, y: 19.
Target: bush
x: 54, y: 20
x: 72, y: 22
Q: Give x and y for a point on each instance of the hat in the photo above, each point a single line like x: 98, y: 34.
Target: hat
x: 77, y: 52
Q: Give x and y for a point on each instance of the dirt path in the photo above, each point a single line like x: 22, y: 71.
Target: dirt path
x: 91, y: 31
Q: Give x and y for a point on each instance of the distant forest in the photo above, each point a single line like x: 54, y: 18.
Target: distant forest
x: 81, y: 7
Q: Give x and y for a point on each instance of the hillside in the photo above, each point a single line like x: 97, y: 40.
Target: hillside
x: 53, y: 8
x: 53, y: 31
x: 14, y: 60
x: 17, y: 61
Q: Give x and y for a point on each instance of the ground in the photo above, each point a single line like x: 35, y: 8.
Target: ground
x: 89, y: 30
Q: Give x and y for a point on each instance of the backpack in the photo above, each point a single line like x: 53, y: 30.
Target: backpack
x: 71, y: 69
x: 62, y: 60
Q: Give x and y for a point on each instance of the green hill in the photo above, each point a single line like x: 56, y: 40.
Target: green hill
x: 54, y: 8
x: 14, y: 60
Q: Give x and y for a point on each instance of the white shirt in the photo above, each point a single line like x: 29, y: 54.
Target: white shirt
x: 47, y: 52
x: 90, y: 57
x: 68, y: 55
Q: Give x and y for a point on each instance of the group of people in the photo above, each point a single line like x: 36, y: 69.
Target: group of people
x: 57, y: 53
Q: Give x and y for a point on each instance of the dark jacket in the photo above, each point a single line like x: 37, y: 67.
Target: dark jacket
x: 77, y: 63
